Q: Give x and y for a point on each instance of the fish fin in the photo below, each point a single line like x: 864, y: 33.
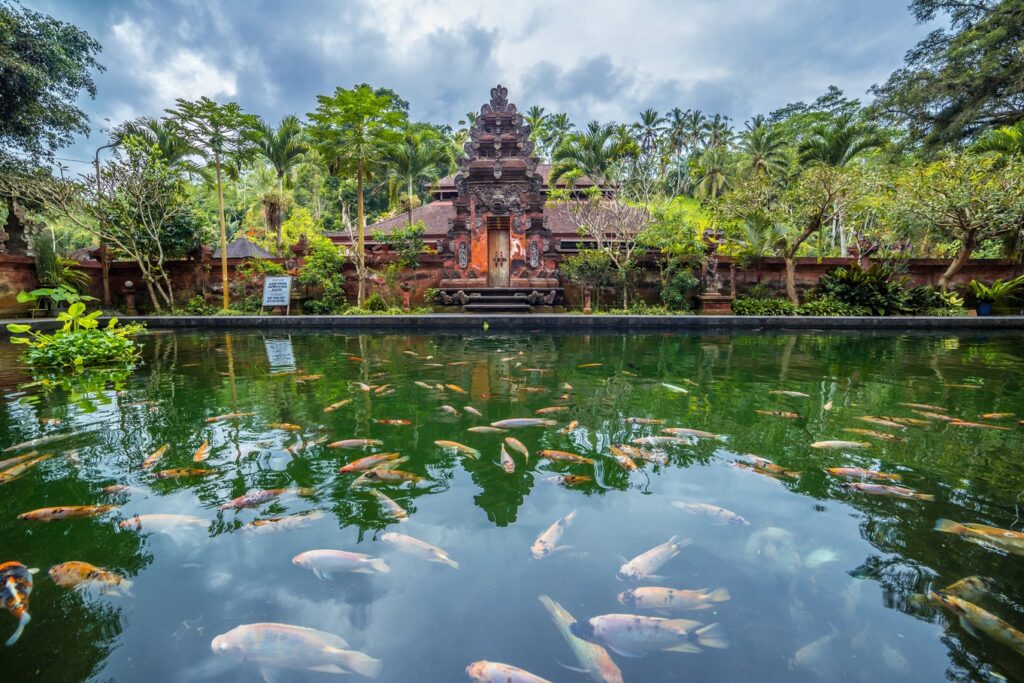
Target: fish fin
x: 269, y: 675
x: 448, y: 561
x: 327, y: 669
x: 966, y: 625
x: 684, y: 624
x: 363, y: 570
x: 657, y: 577
x: 360, y: 663
x: 33, y: 570
x: 685, y: 647
x: 572, y: 668
x: 626, y: 653
x: 949, y: 526
x: 322, y: 575
x: 925, y: 496
x: 379, y: 566
x: 719, y: 595
x: 712, y: 636
x: 560, y: 548
x: 25, y: 618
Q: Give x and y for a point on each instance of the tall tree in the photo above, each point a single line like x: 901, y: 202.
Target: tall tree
x: 763, y: 149
x: 217, y: 131
x: 536, y: 119
x: 592, y: 153
x: 558, y: 126
x: 649, y: 130
x: 355, y: 128
x: 958, y: 83
x: 45, y: 66
x: 283, y: 149
x: 422, y: 156
x: 176, y: 151
x: 838, y: 142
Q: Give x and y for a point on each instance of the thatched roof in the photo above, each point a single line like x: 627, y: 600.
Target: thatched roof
x: 243, y: 248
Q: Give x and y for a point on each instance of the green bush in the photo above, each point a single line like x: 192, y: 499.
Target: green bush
x: 677, y: 287
x: 81, y: 342
x: 827, y: 306
x: 946, y: 312
x: 375, y: 303
x: 254, y: 267
x: 745, y: 305
x: 998, y: 291
x: 877, y: 289
x: 197, y: 306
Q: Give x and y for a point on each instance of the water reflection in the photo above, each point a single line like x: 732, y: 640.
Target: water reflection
x: 826, y: 582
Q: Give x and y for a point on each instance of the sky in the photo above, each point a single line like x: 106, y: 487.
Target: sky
x: 602, y: 59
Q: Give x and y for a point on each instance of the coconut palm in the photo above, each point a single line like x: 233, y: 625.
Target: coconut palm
x: 838, y: 142
x: 422, y: 156
x: 536, y: 119
x: 649, y: 130
x: 713, y: 175
x: 694, y: 130
x: 676, y: 131
x: 1005, y: 140
x: 719, y: 132
x: 763, y: 150
x: 592, y: 153
x: 557, y: 127
x: 177, y: 152
x: 282, y: 148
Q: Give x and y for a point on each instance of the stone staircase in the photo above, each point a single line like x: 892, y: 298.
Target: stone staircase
x: 501, y: 299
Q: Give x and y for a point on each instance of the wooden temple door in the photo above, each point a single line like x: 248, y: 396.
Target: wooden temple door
x: 498, y: 251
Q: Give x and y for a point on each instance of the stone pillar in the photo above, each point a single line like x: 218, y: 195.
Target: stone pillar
x: 711, y: 300
x: 16, y: 229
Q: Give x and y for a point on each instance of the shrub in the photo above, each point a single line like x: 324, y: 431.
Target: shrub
x: 81, y: 342
x: 997, y: 291
x: 255, y: 267
x: 375, y: 302
x: 197, y: 306
x: 746, y: 305
x: 827, y: 306
x: 675, y: 291
x: 323, y: 269
x: 926, y: 298
x: 877, y: 289
x: 946, y: 312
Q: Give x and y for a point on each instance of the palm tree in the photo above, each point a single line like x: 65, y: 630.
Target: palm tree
x: 714, y: 178
x: 536, y: 119
x: 763, y: 149
x: 759, y: 237
x: 649, y: 130
x: 421, y: 157
x: 283, y: 149
x: 178, y: 152
x: 592, y: 153
x: 719, y: 132
x: 676, y: 133
x: 838, y: 142
x: 1005, y: 140
x: 558, y: 126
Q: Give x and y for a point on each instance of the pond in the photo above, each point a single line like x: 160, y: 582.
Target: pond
x: 794, y: 573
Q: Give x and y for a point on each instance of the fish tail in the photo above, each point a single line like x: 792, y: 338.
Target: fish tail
x: 379, y: 565
x: 360, y: 663
x: 448, y: 561
x: 22, y: 622
x: 712, y: 636
x: 125, y: 588
x: 950, y: 527
x: 719, y: 595
x: 925, y: 496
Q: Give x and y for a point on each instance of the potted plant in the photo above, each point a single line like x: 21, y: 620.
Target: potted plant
x: 987, y: 295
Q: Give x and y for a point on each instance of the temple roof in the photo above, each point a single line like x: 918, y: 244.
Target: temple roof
x: 243, y: 248
x: 445, y: 188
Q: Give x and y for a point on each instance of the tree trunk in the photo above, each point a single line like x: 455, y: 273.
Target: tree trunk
x: 361, y: 233
x: 791, y: 280
x: 958, y: 263
x: 409, y: 206
x: 223, y: 233
x: 278, y: 216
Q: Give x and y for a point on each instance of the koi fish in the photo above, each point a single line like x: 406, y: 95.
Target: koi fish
x: 461, y: 448
x: 486, y: 430
x: 860, y: 473
x: 551, y: 409
x: 873, y: 434
x: 719, y: 514
x: 569, y: 428
x: 459, y: 362
x: 934, y: 416
x: 524, y: 422
x: 827, y: 406
x: 923, y: 406
x: 308, y: 378
x: 20, y: 468
x: 423, y: 385
x: 593, y: 658
x: 285, y: 426
x: 892, y: 491
x: 976, y: 425
x: 909, y: 421
x: 154, y: 457
x: 995, y: 416
x: 697, y: 433
x: 644, y: 421
x: 390, y: 506
x: 566, y: 457
x: 631, y: 635
x: 547, y: 542
x: 624, y: 461
x: 567, y: 386
x: 282, y: 646
x: 183, y: 473
x: 536, y: 390
x: 507, y: 463
x: 456, y: 388
x: 517, y: 446
x: 568, y: 479
x: 202, y: 453
x: 381, y: 475
x: 880, y: 421
x: 983, y: 535
x: 17, y: 460
x: 39, y: 441
x: 975, y: 387
x: 227, y: 416
x: 973, y: 617
x: 768, y: 466
x: 417, y: 548
x: 837, y: 444
x: 970, y: 588
x: 255, y: 498
x: 323, y: 562
x: 15, y: 589
x: 779, y: 413
x: 355, y: 443
x: 340, y: 404
x: 661, y: 441
x: 667, y: 600
x: 673, y: 387
x: 589, y: 365
x: 496, y: 672
x: 362, y: 386
x: 272, y: 524
x: 161, y: 522
x: 51, y: 514
x: 644, y: 565
x: 397, y: 423
x: 658, y: 458
x: 82, y: 575
x: 449, y: 409
x: 473, y: 411
x: 372, y: 461
x: 382, y: 389
x: 791, y: 394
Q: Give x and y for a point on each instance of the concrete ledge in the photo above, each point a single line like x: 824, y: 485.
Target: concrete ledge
x: 554, y: 321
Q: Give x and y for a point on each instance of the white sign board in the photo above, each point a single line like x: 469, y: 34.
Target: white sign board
x: 277, y: 290
x: 280, y: 354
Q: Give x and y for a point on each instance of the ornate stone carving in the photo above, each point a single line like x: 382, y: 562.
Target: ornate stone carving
x: 534, y: 254
x: 463, y: 254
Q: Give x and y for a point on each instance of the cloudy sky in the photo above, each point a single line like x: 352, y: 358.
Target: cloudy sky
x: 608, y: 61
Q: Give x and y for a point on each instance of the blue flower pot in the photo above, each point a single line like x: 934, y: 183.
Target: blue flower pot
x: 984, y: 308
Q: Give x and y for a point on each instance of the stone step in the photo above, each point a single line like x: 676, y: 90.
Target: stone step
x: 495, y: 308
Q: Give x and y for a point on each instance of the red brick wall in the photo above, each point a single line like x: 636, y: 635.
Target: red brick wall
x: 17, y: 273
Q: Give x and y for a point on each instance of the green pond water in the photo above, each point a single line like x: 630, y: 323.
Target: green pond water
x: 825, y: 582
